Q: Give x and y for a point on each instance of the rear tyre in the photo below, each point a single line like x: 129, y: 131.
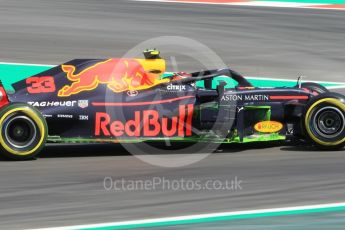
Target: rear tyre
x: 315, y: 88
x: 324, y: 121
x: 23, y: 132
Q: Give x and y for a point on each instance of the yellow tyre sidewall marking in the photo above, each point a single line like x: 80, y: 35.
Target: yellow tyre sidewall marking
x: 308, y: 118
x: 38, y: 122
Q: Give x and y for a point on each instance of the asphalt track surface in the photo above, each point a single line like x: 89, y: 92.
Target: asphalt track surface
x: 65, y: 185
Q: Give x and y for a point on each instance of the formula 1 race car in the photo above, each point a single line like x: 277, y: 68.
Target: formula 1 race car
x: 134, y: 100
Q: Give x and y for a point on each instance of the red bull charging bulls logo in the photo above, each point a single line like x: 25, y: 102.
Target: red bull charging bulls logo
x: 118, y: 74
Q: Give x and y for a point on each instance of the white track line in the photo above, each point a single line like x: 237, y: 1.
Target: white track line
x: 276, y: 4
x: 202, y: 216
x: 335, y: 87
x: 311, y: 6
x: 293, y: 80
x: 24, y: 64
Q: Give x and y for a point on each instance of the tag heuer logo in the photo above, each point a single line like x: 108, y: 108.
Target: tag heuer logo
x: 83, y: 104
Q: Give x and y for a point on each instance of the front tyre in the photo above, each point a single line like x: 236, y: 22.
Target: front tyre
x: 23, y: 132
x: 324, y: 122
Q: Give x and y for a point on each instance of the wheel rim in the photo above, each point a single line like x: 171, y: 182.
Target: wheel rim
x: 20, y: 131
x: 328, y: 122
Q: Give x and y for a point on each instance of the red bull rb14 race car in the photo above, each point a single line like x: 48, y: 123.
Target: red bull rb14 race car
x: 134, y: 100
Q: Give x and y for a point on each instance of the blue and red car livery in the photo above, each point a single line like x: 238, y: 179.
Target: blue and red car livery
x: 133, y: 100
